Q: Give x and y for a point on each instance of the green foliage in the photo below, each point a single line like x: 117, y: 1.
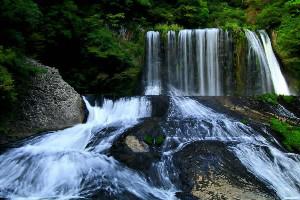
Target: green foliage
x: 269, y: 98
x: 224, y: 16
x: 192, y: 13
x: 164, y: 28
x: 290, y: 134
x: 151, y: 140
x: 270, y: 17
x: 245, y: 121
x: 159, y: 140
x: 17, y: 19
x: 288, y: 99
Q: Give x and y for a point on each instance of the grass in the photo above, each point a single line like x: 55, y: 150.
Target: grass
x: 290, y: 134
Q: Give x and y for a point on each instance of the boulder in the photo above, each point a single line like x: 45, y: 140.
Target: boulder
x: 50, y: 104
x: 209, y: 171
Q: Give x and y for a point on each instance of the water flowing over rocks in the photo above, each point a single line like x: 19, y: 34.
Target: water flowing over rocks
x: 50, y: 104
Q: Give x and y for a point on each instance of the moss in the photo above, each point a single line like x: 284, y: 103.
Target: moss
x: 288, y: 99
x: 149, y: 139
x: 245, y: 121
x: 159, y: 140
x: 290, y: 134
x: 239, y: 59
x: 269, y: 98
x: 154, y: 140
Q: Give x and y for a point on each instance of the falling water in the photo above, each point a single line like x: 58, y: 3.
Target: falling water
x: 201, y: 63
x: 194, y: 67
x: 153, y: 80
x: 257, y: 62
x: 278, y: 79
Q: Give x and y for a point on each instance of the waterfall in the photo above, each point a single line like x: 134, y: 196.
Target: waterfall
x: 278, y: 79
x: 153, y: 81
x: 193, y: 62
x: 201, y: 63
x: 72, y: 163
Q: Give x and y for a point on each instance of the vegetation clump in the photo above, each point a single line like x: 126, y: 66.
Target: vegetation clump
x: 290, y: 134
x: 269, y: 98
x: 154, y: 140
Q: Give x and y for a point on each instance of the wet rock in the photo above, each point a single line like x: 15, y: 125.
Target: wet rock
x: 131, y: 149
x: 135, y: 145
x: 50, y: 104
x: 209, y: 171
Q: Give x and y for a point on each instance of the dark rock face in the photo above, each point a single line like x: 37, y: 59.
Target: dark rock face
x: 208, y: 170
x: 50, y: 104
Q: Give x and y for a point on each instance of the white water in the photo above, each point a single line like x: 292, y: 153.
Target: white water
x: 153, y: 82
x: 257, y: 60
x: 200, y: 62
x: 72, y: 164
x: 278, y: 79
x: 193, y: 65
x: 278, y: 170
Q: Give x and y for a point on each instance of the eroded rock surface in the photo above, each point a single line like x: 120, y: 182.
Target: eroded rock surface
x: 211, y: 172
x: 50, y: 104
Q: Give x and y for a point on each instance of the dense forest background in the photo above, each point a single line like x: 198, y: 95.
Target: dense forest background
x: 98, y: 45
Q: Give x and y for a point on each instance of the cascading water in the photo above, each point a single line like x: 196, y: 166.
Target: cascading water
x: 72, y: 164
x: 279, y: 170
x: 257, y: 62
x: 201, y: 62
x: 278, y: 79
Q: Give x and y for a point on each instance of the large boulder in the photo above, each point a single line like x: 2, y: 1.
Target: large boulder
x: 209, y: 171
x: 50, y: 104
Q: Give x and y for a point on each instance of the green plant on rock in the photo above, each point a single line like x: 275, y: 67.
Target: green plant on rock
x: 288, y: 99
x: 270, y: 98
x: 154, y: 140
x: 149, y: 139
x: 290, y: 134
x: 159, y: 140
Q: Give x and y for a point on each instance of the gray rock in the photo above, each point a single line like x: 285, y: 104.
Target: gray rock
x: 50, y: 104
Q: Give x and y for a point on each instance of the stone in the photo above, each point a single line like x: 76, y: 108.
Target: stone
x: 211, y: 172
x: 50, y: 104
x: 135, y: 145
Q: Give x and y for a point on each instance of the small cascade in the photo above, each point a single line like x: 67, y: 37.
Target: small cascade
x: 72, y: 163
x: 202, y: 62
x: 279, y: 82
x: 278, y: 170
